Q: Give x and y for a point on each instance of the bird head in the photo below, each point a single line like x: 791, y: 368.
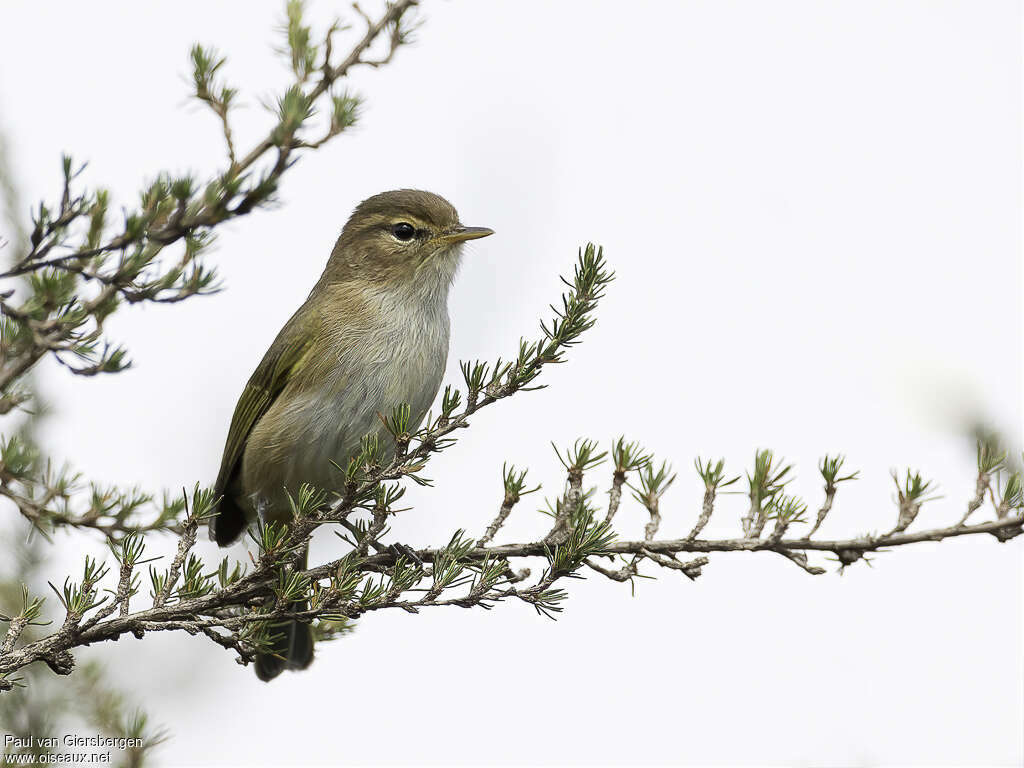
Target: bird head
x: 401, y: 237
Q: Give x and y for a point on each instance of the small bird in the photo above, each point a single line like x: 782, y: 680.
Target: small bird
x: 372, y: 335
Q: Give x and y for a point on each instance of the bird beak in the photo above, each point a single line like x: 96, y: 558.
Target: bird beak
x: 461, y: 234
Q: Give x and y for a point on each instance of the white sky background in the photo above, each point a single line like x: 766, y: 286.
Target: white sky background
x: 814, y: 212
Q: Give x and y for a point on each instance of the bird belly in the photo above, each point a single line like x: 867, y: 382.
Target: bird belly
x: 304, y: 431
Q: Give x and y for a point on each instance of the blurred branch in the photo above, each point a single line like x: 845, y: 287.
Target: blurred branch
x: 50, y: 708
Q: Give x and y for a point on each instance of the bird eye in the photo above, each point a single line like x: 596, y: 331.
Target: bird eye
x: 403, y: 231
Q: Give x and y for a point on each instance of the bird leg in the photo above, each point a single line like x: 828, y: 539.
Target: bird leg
x: 397, y: 550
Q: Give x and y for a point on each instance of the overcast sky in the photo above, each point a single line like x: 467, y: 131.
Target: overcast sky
x: 813, y: 209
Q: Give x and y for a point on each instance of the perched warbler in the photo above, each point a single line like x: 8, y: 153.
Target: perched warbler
x: 372, y: 335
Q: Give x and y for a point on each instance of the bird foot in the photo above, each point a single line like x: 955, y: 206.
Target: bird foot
x: 401, y: 550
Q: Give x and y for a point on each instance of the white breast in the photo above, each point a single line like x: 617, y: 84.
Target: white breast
x: 399, y: 360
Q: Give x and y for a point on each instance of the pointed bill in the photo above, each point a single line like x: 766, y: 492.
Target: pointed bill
x: 461, y: 234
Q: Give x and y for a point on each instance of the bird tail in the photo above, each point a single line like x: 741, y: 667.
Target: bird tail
x: 228, y: 521
x: 291, y: 643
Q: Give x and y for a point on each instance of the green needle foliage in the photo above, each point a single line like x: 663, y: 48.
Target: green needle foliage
x: 713, y: 476
x: 587, y: 538
x: 914, y: 488
x: 830, y: 467
x: 628, y: 457
x: 582, y: 457
x: 768, y: 477
x: 515, y: 483
x: 653, y: 484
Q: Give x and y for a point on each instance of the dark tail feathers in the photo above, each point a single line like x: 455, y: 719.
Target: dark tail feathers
x: 292, y: 642
x: 292, y: 648
x: 228, y: 522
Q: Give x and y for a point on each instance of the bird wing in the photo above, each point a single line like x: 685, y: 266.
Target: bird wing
x: 282, y: 361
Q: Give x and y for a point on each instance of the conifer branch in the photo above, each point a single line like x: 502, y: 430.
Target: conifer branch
x: 235, y: 608
x: 73, y: 245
